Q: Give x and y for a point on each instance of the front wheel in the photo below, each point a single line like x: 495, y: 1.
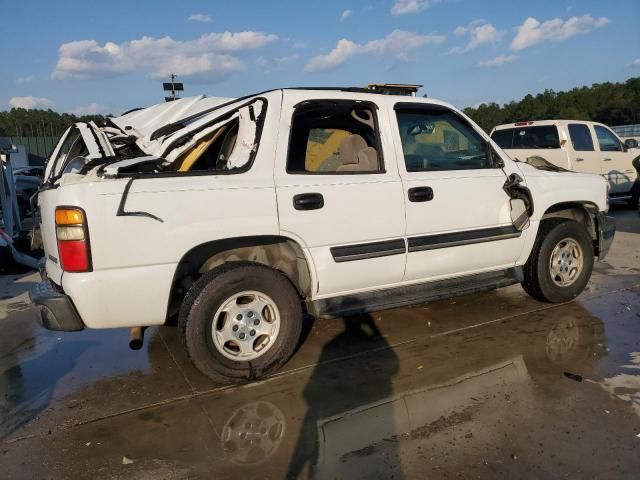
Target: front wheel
x: 240, y: 322
x: 561, y: 262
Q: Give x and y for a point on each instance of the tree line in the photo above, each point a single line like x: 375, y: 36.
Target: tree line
x: 20, y: 122
x: 608, y: 103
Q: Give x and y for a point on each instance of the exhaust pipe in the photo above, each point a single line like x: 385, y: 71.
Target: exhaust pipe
x: 137, y: 338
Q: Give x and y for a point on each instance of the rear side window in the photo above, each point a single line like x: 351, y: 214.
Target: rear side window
x: 226, y: 144
x: 438, y: 139
x: 504, y: 138
x: 528, y: 137
x: 334, y: 137
x: 581, y: 137
x: 607, y: 140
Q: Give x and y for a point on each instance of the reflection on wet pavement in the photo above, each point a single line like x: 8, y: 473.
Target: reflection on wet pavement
x: 493, y: 385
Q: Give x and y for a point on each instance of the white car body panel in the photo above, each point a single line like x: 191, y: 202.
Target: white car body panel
x: 135, y: 257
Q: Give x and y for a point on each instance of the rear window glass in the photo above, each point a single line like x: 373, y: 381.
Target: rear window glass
x: 528, y: 137
x: 504, y: 138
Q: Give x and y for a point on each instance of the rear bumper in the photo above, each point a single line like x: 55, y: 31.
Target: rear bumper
x: 56, y: 309
x: 606, y: 232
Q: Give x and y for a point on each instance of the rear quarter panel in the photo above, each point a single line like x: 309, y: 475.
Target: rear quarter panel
x: 135, y: 257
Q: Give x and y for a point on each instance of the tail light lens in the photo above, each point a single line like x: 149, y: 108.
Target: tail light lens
x: 73, y: 239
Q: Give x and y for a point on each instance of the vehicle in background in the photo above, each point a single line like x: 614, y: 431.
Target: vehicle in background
x: 577, y: 145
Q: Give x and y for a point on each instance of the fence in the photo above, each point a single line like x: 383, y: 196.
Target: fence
x: 627, y: 130
x: 38, y: 148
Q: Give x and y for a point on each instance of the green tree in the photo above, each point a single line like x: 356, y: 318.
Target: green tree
x: 608, y: 103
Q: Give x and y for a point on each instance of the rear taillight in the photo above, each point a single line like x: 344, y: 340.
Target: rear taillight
x: 73, y: 239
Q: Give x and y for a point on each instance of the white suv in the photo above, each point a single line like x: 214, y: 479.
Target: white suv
x: 579, y: 146
x: 237, y: 216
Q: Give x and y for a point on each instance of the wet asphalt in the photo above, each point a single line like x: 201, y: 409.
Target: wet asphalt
x: 491, y: 385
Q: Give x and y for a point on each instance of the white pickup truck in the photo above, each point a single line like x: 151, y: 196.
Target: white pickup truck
x: 237, y: 216
x: 579, y: 146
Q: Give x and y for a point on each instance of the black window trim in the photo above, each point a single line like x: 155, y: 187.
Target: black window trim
x: 374, y: 107
x: 495, y: 158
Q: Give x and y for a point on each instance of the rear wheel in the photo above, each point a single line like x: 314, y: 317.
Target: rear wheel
x: 240, y: 322
x: 561, y: 262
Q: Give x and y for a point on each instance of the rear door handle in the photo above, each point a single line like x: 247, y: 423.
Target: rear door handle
x: 420, y: 194
x: 579, y: 159
x: 607, y: 159
x: 308, y: 201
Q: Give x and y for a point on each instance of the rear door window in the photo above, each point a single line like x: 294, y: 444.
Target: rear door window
x: 581, y: 137
x: 334, y: 137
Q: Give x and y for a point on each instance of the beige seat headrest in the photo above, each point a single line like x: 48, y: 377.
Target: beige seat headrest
x: 349, y: 149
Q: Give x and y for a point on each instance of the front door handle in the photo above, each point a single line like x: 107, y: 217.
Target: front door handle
x: 308, y: 201
x: 607, y: 159
x: 579, y: 159
x: 420, y: 194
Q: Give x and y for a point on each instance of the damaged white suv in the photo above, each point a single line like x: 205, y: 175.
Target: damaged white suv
x: 237, y: 216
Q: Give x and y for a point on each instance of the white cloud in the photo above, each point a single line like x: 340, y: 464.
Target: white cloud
x: 343, y: 50
x: 90, y: 109
x: 406, y: 7
x: 498, y: 61
x: 30, y: 102
x: 532, y: 32
x: 479, y: 32
x: 398, y: 44
x: 346, y: 14
x: 210, y: 57
x: 25, y: 79
x: 200, y: 18
x: 636, y: 62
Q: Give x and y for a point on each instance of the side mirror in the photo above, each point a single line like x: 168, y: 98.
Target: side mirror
x: 631, y: 143
x: 519, y: 214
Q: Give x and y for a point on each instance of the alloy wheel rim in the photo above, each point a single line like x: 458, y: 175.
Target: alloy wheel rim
x: 566, y: 262
x: 245, y: 326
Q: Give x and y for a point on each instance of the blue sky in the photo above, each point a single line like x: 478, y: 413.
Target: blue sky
x: 87, y: 56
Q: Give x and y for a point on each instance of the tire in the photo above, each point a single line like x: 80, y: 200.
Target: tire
x: 214, y: 295
x: 538, y: 279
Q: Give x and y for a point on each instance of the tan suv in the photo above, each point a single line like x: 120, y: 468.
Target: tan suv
x: 577, y: 145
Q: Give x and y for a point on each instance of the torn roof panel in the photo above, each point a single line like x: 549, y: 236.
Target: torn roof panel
x: 144, y: 122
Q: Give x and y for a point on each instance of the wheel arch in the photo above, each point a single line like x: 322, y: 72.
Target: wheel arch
x: 278, y: 252
x: 583, y: 212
